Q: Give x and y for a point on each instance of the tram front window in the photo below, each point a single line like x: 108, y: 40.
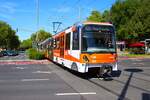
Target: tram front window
x: 96, y: 38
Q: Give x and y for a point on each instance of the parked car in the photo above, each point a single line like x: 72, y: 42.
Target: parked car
x: 12, y: 53
x: 1, y: 54
x: 22, y: 51
x: 9, y: 53
x: 4, y: 53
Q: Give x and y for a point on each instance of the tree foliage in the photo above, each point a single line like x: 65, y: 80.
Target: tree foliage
x: 26, y: 44
x: 8, y: 37
x: 131, y: 19
x: 40, y: 35
x: 33, y: 37
x: 95, y: 16
x: 106, y: 16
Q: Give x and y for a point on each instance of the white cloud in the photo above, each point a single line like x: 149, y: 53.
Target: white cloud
x: 62, y: 9
x: 7, y: 9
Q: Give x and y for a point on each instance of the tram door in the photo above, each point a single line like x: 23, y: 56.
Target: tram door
x: 62, y: 46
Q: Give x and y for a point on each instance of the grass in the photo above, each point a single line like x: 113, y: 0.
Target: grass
x: 136, y: 55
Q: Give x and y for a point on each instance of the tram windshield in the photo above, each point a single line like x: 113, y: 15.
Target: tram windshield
x: 98, y: 38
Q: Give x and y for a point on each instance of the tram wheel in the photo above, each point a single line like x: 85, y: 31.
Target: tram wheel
x: 74, y: 67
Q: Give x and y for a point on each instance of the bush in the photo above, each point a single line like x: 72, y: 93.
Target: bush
x: 137, y: 50
x: 34, y: 54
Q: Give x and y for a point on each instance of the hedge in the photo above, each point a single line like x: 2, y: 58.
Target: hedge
x: 34, y: 54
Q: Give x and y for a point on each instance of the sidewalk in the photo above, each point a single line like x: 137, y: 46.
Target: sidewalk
x: 23, y: 62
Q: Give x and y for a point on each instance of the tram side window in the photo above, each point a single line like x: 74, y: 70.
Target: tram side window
x: 75, y: 41
x: 67, y: 47
x: 50, y: 45
x: 58, y: 43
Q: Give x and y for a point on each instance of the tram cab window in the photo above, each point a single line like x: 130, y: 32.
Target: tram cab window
x: 67, y: 43
x: 75, y: 45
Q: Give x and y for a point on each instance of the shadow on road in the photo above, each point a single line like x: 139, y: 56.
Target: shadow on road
x: 125, y: 88
x: 91, y: 74
x: 145, y: 96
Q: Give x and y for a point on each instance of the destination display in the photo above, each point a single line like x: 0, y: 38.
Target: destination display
x: 98, y: 28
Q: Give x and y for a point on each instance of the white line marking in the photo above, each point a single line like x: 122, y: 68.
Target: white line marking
x: 27, y: 80
x: 42, y: 72
x: 137, y: 60
x: 138, y: 63
x: 65, y: 94
x: 20, y: 68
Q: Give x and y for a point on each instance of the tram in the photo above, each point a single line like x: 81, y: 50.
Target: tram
x: 147, y: 46
x: 84, y: 46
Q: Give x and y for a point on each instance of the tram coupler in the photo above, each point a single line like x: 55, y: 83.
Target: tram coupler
x: 104, y: 72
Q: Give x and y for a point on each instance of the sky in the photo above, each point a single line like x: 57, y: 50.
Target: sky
x: 22, y: 14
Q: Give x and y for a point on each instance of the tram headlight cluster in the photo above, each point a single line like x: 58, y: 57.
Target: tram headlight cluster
x: 115, y: 57
x: 85, y: 59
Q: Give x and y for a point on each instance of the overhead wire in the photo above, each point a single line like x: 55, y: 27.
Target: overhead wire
x: 74, y: 6
x: 63, y: 5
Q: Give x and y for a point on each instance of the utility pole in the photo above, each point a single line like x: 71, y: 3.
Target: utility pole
x: 37, y: 18
x: 37, y: 13
x: 35, y: 43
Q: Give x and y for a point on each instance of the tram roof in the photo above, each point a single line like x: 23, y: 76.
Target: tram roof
x: 84, y: 23
x: 45, y: 41
x: 97, y: 23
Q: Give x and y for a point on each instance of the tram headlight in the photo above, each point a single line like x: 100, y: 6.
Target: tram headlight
x: 85, y: 59
x: 115, y: 57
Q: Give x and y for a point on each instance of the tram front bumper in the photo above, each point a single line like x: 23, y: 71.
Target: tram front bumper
x: 113, y: 66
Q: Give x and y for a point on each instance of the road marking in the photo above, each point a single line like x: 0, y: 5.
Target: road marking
x: 68, y: 94
x: 43, y: 72
x: 20, y: 68
x: 138, y: 63
x: 136, y: 59
x: 23, y: 62
x: 27, y: 80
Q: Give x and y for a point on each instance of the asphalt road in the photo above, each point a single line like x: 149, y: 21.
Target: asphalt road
x: 48, y: 81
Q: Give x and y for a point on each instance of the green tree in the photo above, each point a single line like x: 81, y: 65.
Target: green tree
x: 26, y: 44
x: 95, y: 17
x: 106, y: 16
x: 13, y: 42
x: 131, y: 19
x: 33, y: 37
x: 4, y: 29
x: 8, y: 37
x: 40, y: 35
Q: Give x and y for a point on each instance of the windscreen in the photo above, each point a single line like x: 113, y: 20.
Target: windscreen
x: 98, y: 38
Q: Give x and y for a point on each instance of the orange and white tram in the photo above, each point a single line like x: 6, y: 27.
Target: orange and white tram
x: 84, y: 46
